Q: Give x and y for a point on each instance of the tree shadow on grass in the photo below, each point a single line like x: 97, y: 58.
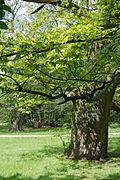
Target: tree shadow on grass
x: 114, y: 126
x: 115, y: 176
x: 114, y: 154
x: 48, y: 176
x: 48, y: 151
x: 57, y: 151
x: 52, y: 150
x: 19, y: 177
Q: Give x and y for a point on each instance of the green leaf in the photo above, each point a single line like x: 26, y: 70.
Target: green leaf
x: 5, y: 7
x: 3, y: 25
x: 2, y: 14
x: 2, y: 43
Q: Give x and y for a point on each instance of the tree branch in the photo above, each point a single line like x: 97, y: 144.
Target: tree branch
x: 38, y: 9
x: 55, y: 45
x: 11, y: 79
x: 69, y: 5
x: 49, y: 96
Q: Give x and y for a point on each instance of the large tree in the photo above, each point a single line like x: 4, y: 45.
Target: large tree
x: 70, y: 54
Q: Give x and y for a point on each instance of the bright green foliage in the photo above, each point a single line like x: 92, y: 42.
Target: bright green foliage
x: 50, y: 55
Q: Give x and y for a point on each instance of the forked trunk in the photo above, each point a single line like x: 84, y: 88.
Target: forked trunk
x: 89, y: 138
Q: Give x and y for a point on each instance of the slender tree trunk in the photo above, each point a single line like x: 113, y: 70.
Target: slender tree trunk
x: 89, y: 138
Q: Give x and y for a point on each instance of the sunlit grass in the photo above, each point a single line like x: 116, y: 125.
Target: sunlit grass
x: 40, y: 159
x: 114, y: 128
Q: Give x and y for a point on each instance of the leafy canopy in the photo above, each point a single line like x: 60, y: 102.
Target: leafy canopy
x: 55, y: 53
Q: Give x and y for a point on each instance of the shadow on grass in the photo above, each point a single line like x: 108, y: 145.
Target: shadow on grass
x: 114, y: 126
x: 114, y: 154
x: 48, y: 176
x: 114, y: 176
x: 85, y: 167
x: 48, y: 151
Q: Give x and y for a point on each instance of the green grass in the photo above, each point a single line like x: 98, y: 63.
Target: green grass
x: 4, y: 130
x: 40, y: 159
x: 114, y: 128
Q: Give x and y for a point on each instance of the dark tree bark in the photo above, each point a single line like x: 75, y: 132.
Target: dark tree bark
x: 89, y: 137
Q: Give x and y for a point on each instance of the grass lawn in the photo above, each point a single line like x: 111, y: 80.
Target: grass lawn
x: 114, y: 128
x: 4, y: 130
x: 40, y: 159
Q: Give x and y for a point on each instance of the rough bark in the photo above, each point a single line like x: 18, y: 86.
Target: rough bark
x: 89, y: 138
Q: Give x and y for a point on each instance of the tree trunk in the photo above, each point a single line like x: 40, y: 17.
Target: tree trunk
x: 16, y: 121
x: 20, y: 128
x: 89, y: 138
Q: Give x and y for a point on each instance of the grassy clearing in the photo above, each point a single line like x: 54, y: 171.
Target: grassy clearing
x: 4, y: 130
x: 40, y: 159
